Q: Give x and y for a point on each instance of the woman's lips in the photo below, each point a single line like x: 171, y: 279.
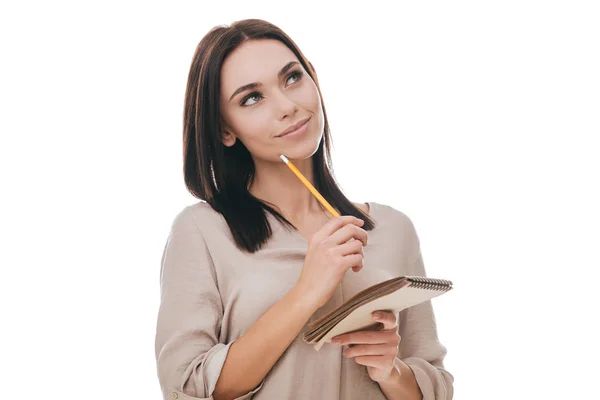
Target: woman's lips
x: 295, y: 130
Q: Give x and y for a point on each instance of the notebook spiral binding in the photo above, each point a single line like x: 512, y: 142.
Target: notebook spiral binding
x: 420, y: 282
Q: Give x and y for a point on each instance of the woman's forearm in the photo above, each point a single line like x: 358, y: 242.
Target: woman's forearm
x: 253, y: 355
x: 401, y: 384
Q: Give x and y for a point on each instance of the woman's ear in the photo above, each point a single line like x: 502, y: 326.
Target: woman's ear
x: 228, y: 138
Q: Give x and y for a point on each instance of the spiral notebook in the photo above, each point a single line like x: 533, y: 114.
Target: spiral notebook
x: 393, y: 295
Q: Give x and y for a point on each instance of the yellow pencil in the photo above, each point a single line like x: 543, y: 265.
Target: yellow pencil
x: 310, y: 187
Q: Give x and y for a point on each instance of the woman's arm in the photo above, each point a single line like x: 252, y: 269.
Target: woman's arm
x: 189, y: 354
x: 401, y: 384
x: 329, y: 255
x: 378, y: 351
x: 420, y: 348
x: 253, y: 355
x: 191, y: 361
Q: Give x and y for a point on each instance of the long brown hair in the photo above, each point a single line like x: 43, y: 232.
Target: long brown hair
x: 221, y: 175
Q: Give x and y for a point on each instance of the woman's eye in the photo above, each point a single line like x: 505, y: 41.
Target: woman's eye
x: 252, y: 96
x: 296, y: 74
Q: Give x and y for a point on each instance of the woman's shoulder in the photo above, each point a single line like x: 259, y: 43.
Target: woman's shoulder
x: 387, y: 216
x: 379, y: 210
x: 196, y: 217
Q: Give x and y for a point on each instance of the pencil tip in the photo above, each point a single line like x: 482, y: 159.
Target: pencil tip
x: 284, y: 158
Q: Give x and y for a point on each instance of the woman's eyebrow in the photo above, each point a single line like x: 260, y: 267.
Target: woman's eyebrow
x: 254, y: 85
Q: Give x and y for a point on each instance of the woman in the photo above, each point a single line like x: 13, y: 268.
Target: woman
x: 245, y: 270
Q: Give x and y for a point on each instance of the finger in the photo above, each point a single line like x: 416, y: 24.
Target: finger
x: 371, y: 350
x: 348, y: 232
x: 334, y: 224
x: 381, y: 362
x: 366, y: 337
x: 387, y: 318
x: 351, y: 247
x: 354, y: 261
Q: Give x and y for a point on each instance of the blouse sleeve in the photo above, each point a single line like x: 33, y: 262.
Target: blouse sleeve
x: 188, y: 353
x: 419, y: 347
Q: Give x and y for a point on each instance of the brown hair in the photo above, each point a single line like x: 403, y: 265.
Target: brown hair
x: 221, y: 175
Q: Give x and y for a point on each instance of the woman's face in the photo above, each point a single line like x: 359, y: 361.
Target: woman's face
x: 264, y: 91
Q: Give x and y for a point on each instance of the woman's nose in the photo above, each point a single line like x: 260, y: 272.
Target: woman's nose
x: 285, y: 106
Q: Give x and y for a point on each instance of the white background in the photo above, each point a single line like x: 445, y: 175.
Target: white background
x: 478, y: 119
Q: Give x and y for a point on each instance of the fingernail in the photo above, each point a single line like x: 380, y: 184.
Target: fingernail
x: 335, y: 341
x: 376, y: 315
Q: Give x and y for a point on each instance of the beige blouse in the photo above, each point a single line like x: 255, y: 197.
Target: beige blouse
x: 212, y: 292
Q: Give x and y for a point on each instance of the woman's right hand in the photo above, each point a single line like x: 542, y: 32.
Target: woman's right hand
x: 331, y: 253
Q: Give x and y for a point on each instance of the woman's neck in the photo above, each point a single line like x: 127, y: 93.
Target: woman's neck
x: 277, y: 185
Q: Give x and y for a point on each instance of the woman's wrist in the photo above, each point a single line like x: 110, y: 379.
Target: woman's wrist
x: 302, y: 301
x: 401, y: 383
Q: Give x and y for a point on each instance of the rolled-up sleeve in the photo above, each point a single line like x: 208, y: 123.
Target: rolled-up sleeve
x: 419, y: 347
x: 188, y: 353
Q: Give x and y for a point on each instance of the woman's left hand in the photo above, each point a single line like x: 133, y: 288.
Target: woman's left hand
x: 377, y: 350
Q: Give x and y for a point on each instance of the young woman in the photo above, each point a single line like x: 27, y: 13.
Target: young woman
x: 245, y: 269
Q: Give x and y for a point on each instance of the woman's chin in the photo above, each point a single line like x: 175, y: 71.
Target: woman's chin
x: 303, y: 149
